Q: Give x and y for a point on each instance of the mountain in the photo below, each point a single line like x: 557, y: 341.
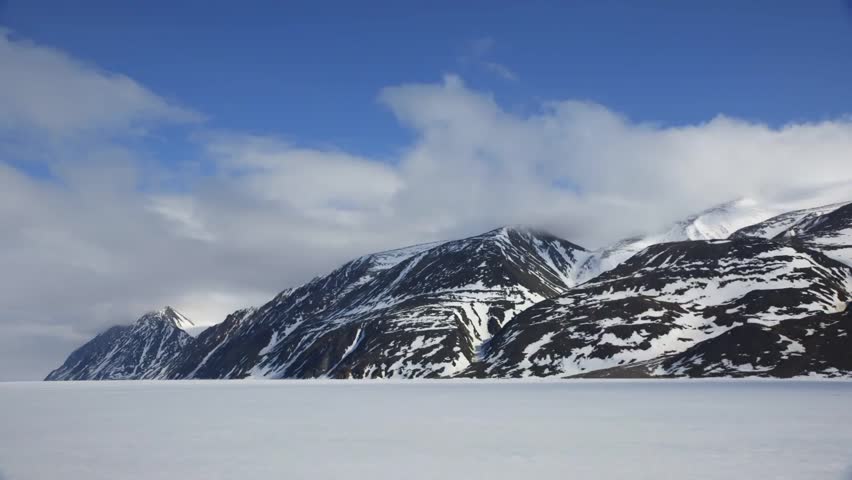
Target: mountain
x: 700, y: 308
x: 130, y: 352
x: 736, y: 290
x: 714, y: 223
x: 827, y: 229
x: 422, y: 311
x: 780, y: 225
x: 830, y: 234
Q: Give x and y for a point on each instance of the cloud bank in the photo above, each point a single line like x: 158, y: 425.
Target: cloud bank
x: 96, y: 231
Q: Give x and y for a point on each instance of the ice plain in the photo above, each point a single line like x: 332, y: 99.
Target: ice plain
x: 253, y: 429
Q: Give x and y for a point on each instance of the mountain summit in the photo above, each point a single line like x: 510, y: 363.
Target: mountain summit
x: 130, y: 352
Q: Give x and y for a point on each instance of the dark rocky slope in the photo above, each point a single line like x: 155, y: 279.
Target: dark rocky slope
x: 130, y: 352
x: 420, y: 312
x: 702, y: 308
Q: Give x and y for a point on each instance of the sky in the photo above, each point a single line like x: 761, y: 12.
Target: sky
x: 207, y: 155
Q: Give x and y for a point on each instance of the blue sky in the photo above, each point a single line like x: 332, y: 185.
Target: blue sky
x: 208, y: 154
x: 310, y: 71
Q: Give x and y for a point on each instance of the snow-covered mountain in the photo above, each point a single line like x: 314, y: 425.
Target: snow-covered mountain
x: 714, y: 223
x: 830, y: 234
x: 770, y: 300
x: 827, y: 229
x: 130, y: 352
x: 782, y: 307
x: 786, y: 222
x: 422, y: 311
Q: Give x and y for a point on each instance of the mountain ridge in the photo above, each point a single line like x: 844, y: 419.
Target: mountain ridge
x: 434, y: 308
x: 494, y: 305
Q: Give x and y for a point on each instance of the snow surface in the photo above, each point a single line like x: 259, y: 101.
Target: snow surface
x: 600, y: 430
x: 791, y: 221
x: 716, y: 223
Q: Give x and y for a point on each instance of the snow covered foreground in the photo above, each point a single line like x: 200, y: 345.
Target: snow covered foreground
x: 426, y: 430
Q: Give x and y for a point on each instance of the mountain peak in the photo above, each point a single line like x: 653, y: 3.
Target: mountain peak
x: 169, y: 315
x: 715, y: 223
x: 506, y: 231
x: 128, y: 352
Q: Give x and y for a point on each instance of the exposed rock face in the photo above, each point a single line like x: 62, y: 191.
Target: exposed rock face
x: 143, y: 350
x: 699, y: 308
x: 780, y: 224
x: 827, y: 229
x: 417, y: 312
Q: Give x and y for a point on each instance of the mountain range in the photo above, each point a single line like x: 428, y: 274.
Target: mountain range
x: 737, y: 290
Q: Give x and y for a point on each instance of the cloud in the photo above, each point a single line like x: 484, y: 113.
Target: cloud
x: 324, y: 185
x: 45, y: 89
x: 477, y: 53
x: 501, y: 71
x: 623, y: 171
x: 87, y: 247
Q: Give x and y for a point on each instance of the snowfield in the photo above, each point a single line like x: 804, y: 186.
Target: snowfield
x: 597, y: 430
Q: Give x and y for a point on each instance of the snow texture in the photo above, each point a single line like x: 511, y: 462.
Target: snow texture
x: 701, y: 308
x: 716, y: 223
x: 210, y: 430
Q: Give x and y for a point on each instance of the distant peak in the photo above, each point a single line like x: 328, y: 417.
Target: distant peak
x: 746, y: 202
x: 517, y: 228
x: 522, y: 230
x: 170, y: 315
x: 731, y: 205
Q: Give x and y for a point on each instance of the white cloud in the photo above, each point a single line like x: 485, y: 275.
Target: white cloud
x: 325, y: 185
x: 501, y: 71
x: 91, y: 249
x: 478, y: 51
x: 45, y: 89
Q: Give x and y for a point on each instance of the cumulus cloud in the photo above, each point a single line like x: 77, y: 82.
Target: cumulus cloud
x: 88, y: 247
x: 591, y: 173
